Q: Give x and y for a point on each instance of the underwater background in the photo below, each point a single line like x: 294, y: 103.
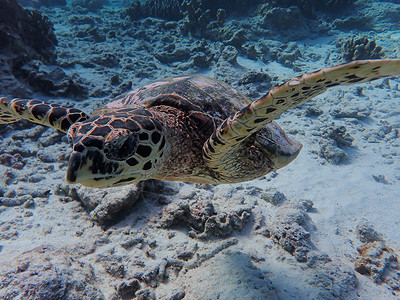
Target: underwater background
x: 325, y: 227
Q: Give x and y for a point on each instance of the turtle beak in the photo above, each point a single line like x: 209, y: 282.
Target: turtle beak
x: 74, y: 164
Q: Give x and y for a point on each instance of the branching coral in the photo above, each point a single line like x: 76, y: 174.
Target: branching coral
x: 38, y: 32
x: 361, y: 48
x: 176, y: 10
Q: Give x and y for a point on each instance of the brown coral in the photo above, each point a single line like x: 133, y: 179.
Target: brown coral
x: 380, y: 263
x: 48, y: 273
x: 291, y: 229
x: 204, y: 220
x: 361, y: 48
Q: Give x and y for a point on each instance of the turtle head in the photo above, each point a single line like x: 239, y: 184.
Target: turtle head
x: 115, y: 149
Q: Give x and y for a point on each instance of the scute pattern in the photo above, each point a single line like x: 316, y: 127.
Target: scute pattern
x: 189, y: 93
x: 40, y: 112
x: 122, y: 136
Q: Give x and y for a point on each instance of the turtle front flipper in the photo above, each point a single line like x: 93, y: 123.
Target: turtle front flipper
x: 39, y: 112
x: 232, y: 135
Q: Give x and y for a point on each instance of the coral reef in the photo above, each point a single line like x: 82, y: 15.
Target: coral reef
x: 90, y: 5
x: 283, y: 19
x: 27, y: 44
x: 202, y: 217
x: 26, y: 34
x: 109, y: 206
x: 287, y: 54
x: 105, y: 206
x: 229, y: 54
x: 173, y: 55
x: 232, y: 6
x: 255, y: 84
x: 360, y: 48
x: 53, y: 82
x: 333, y: 281
x: 196, y: 10
x: 384, y: 131
x: 377, y: 260
x: 289, y: 23
x: 134, y: 11
x: 163, y: 9
x: 40, y: 3
x: 311, y: 7
x: 37, y: 32
x: 366, y: 233
x: 203, y: 19
x: 359, y: 22
x: 332, y: 153
x: 198, y: 20
x: 48, y: 273
x: 359, y: 113
x: 339, y: 135
x: 335, y: 138
x: 15, y: 161
x: 291, y: 229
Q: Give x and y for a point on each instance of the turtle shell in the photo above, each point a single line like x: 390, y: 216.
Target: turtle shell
x: 192, y: 107
x: 196, y: 93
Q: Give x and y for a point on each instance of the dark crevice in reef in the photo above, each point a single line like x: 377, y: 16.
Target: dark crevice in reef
x: 27, y: 42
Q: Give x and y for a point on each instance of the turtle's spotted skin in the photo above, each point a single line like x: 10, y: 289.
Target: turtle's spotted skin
x: 40, y: 112
x: 189, y: 128
x: 113, y: 142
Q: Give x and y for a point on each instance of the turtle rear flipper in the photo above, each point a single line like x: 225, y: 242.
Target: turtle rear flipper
x: 39, y: 112
x: 231, y: 135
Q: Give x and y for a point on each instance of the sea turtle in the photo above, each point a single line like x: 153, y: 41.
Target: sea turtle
x: 188, y: 128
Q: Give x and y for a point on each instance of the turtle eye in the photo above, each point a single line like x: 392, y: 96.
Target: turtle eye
x: 121, y: 147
